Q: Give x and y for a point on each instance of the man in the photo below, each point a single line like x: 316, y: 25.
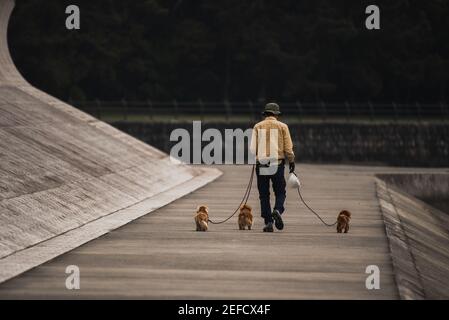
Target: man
x: 272, y: 144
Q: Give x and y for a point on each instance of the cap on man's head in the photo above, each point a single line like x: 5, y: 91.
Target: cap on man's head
x: 271, y: 108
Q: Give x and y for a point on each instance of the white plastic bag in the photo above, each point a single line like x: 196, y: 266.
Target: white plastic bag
x: 293, y: 181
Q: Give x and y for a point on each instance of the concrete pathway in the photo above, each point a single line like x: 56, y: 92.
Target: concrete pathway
x: 161, y: 256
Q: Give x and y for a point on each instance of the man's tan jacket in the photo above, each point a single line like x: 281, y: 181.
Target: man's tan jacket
x: 262, y: 145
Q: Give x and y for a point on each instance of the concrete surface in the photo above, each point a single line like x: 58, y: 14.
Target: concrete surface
x: 161, y: 256
x: 418, y: 233
x: 62, y: 169
x: 433, y: 189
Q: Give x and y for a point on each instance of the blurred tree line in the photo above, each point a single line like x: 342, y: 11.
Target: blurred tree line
x: 289, y: 50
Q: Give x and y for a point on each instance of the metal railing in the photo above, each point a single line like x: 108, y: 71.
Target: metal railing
x: 226, y: 111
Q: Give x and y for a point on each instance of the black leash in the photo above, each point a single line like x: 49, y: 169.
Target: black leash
x: 244, y: 200
x: 248, y: 192
x: 311, y: 210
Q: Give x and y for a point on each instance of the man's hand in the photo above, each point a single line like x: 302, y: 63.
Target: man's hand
x: 292, y: 167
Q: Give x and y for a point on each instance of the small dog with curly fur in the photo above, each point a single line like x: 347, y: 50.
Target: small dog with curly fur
x: 245, y: 217
x: 202, y: 218
x: 343, y: 221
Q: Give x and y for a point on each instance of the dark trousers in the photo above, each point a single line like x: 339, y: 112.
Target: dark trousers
x: 263, y: 184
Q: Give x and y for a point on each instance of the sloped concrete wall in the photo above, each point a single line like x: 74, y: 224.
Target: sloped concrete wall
x: 431, y: 188
x: 418, y: 235
x: 61, y: 169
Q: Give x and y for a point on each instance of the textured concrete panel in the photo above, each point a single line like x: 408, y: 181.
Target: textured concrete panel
x: 161, y: 256
x: 61, y: 169
x: 418, y: 237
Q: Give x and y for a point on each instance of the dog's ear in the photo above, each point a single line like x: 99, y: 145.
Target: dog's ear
x: 245, y: 206
x: 346, y: 213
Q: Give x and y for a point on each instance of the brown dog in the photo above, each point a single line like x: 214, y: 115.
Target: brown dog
x: 245, y: 217
x: 202, y: 218
x: 343, y: 221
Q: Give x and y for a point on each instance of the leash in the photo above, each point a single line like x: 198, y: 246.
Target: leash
x: 311, y: 210
x: 248, y: 192
x: 244, y: 200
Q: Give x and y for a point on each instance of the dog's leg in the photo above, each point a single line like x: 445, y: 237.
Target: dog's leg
x: 248, y: 223
x: 347, y: 228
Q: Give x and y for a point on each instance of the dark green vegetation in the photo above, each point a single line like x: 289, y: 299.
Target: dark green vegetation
x: 238, y: 50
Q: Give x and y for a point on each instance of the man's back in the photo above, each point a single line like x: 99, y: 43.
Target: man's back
x: 267, y: 128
